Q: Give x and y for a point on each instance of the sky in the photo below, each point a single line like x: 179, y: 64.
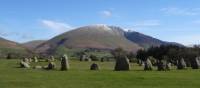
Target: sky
x: 168, y: 20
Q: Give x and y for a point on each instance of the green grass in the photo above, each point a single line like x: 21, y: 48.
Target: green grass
x: 79, y: 76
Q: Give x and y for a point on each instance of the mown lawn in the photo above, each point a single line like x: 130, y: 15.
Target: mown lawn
x: 79, y: 76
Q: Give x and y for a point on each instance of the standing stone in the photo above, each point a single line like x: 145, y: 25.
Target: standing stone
x: 102, y: 59
x: 37, y: 67
x: 48, y: 60
x: 148, y: 65
x: 24, y: 64
x: 161, y: 64
x: 51, y: 66
x: 153, y: 60
x: 94, y: 66
x: 169, y: 66
x: 83, y: 57
x: 64, y: 63
x: 35, y: 59
x: 122, y: 64
x: 52, y: 58
x: 30, y: 60
x: 88, y: 59
x: 181, y: 64
x: 195, y: 63
x: 140, y: 62
x: 26, y: 60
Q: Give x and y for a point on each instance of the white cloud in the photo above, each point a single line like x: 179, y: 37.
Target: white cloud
x: 106, y: 13
x: 181, y: 11
x: 55, y: 26
x: 147, y: 23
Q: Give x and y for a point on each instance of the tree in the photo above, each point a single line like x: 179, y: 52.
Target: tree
x: 132, y: 57
x: 142, y: 55
x: 9, y: 56
x: 93, y: 58
x: 118, y: 52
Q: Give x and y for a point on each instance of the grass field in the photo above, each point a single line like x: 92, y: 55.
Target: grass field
x: 79, y: 76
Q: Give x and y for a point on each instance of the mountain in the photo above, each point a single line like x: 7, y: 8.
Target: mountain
x: 99, y: 37
x: 33, y: 44
x: 10, y: 47
x: 93, y: 36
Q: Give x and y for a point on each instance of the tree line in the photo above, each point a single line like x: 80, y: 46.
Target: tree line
x: 171, y: 53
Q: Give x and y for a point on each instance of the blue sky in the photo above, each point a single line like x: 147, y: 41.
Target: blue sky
x: 168, y: 20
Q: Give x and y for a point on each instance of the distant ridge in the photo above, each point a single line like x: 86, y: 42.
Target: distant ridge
x: 10, y: 47
x: 33, y: 44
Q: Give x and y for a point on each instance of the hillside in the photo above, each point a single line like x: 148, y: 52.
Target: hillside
x: 9, y: 44
x: 12, y: 48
